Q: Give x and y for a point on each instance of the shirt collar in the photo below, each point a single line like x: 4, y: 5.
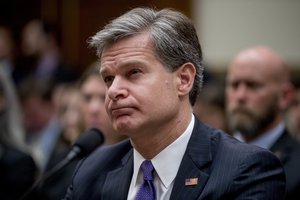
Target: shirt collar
x: 167, y: 162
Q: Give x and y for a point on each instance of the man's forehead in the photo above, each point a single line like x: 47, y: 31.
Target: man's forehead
x: 250, y: 75
x: 138, y: 40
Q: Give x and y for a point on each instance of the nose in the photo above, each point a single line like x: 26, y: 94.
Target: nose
x: 117, y: 90
x: 241, y: 92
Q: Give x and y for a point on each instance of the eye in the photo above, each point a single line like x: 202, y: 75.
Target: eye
x: 108, y: 80
x: 87, y: 97
x: 254, y: 85
x: 232, y: 84
x: 134, y: 71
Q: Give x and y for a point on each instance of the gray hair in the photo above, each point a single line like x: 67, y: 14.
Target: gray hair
x: 173, y: 36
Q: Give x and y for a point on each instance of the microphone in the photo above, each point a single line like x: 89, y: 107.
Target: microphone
x: 84, y: 145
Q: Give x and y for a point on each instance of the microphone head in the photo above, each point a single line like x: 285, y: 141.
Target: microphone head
x: 89, y: 141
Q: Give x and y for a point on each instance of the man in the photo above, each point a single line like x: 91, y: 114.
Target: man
x: 258, y: 91
x: 151, y: 64
x: 41, y: 124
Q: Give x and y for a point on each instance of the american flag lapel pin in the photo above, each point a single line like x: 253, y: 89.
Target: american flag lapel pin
x: 191, y: 181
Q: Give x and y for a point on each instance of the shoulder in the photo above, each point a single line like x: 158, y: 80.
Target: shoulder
x: 218, y: 140
x: 102, y: 159
x: 91, y: 171
x: 228, y: 150
x: 14, y: 157
x: 242, y: 170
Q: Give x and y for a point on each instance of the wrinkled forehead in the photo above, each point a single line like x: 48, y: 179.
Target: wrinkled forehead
x: 136, y: 46
x: 137, y: 40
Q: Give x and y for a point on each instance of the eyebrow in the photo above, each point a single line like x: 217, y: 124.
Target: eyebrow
x: 123, y: 66
x: 102, y: 70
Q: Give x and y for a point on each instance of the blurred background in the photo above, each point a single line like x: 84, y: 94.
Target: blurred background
x: 50, y: 90
x: 224, y: 27
x: 76, y: 20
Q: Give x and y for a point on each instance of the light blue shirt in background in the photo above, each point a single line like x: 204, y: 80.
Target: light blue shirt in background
x: 267, y: 139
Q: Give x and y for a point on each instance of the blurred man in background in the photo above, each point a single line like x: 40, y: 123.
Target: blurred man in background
x: 258, y: 91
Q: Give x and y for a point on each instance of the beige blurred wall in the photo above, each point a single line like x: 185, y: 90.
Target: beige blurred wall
x: 227, y: 26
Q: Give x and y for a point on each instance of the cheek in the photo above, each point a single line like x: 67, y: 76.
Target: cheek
x: 261, y: 100
x: 230, y: 101
x: 102, y: 111
x: 166, y: 98
x: 82, y: 105
x: 84, y: 108
x: 106, y: 105
x: 230, y: 96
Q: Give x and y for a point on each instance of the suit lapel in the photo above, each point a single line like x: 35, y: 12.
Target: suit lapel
x: 194, y: 165
x: 117, y: 182
x: 283, y: 147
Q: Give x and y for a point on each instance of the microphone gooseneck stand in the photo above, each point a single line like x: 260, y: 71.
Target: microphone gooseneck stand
x: 87, y: 143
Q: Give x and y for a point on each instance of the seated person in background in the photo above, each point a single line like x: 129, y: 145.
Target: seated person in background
x: 17, y: 167
x: 40, y: 119
x: 69, y: 115
x: 69, y: 112
x: 258, y: 91
x: 151, y: 62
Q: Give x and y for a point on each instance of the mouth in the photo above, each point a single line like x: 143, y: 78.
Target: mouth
x: 121, y: 111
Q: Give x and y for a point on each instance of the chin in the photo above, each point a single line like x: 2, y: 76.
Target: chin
x: 124, y: 127
x: 127, y: 123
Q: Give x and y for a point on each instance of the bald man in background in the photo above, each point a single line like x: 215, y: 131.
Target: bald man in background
x: 258, y: 91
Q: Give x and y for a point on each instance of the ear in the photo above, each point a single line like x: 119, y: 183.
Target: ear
x: 288, y: 93
x: 185, y: 78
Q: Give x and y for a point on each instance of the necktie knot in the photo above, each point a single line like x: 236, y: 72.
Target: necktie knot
x: 147, y: 169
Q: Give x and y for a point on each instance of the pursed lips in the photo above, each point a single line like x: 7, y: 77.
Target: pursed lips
x: 120, y: 111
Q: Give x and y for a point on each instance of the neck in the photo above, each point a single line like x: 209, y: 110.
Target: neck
x: 152, y: 143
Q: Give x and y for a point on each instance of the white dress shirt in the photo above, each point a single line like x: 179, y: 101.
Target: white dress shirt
x: 166, y: 165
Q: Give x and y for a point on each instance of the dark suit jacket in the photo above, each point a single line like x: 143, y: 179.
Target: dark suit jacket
x: 17, y: 173
x: 55, y: 187
x: 225, y: 168
x: 288, y: 151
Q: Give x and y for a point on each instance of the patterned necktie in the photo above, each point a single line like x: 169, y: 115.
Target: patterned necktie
x: 147, y: 190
